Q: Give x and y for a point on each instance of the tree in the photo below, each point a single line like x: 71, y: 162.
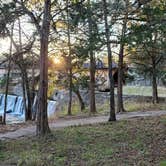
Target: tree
x: 9, y: 12
x: 84, y: 24
x: 34, y: 11
x: 120, y: 106
x: 69, y: 60
x: 148, y: 40
x: 8, y: 75
x: 126, y: 14
x: 42, y: 120
x: 92, y: 61
x: 111, y: 79
x: 25, y: 82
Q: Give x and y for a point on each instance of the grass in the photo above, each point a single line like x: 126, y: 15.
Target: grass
x: 143, y: 106
x: 130, y: 105
x: 103, y: 109
x: 76, y: 111
x: 163, y: 163
x: 128, y: 142
x: 143, y: 90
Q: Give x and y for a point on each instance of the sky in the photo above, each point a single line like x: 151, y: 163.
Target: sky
x: 4, y: 45
x: 27, y: 30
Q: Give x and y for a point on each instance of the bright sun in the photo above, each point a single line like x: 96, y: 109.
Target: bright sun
x: 56, y: 60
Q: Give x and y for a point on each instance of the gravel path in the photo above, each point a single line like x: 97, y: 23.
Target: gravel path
x: 30, y: 131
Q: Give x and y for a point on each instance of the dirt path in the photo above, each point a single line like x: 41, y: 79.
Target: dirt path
x: 30, y: 131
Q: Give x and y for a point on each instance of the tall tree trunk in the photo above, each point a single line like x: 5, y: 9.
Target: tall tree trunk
x: 111, y: 79
x: 7, y: 79
x: 92, y: 83
x: 24, y: 96
x: 33, y: 83
x: 35, y: 106
x: 29, y: 106
x: 25, y: 85
x: 154, y: 83
x: 92, y: 63
x: 6, y: 90
x: 26, y: 93
x: 70, y: 92
x: 42, y: 117
x: 70, y: 75
x: 120, y: 105
x: 33, y: 92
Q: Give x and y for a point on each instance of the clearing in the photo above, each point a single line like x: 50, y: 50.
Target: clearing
x: 136, y: 141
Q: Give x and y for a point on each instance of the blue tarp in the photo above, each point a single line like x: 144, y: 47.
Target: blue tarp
x: 15, y: 105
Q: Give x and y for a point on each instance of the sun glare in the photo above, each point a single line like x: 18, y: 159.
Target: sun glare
x: 56, y: 60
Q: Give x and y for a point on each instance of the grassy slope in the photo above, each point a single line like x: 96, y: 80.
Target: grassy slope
x: 143, y: 90
x: 129, y: 105
x: 132, y: 142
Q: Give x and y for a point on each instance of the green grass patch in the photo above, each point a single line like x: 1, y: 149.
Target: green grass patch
x: 131, y: 106
x: 143, y: 90
x: 128, y: 142
x: 163, y: 163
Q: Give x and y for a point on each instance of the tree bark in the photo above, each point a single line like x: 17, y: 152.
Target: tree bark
x: 25, y: 82
x: 111, y: 79
x: 70, y: 92
x: 33, y: 92
x: 154, y: 83
x: 42, y: 117
x: 70, y: 75
x: 120, y: 105
x: 7, y: 89
x: 8, y: 76
x: 33, y: 82
x: 92, y: 83
x: 92, y: 63
x: 29, y: 106
x: 24, y: 96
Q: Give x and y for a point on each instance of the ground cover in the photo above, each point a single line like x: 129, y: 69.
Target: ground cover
x: 143, y: 90
x: 140, y: 141
x: 103, y: 109
x: 130, y: 105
